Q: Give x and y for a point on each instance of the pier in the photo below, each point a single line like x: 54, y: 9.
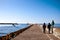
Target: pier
x: 35, y: 33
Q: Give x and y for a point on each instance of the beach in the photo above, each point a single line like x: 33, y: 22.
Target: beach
x: 57, y: 32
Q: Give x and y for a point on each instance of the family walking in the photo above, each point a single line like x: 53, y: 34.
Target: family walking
x: 49, y: 27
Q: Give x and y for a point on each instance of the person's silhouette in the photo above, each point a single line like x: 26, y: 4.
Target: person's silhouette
x: 49, y: 26
x: 52, y: 25
x: 44, y: 27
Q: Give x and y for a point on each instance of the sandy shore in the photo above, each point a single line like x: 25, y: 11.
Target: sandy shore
x: 57, y: 32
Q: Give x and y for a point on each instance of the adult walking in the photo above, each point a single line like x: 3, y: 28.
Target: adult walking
x: 52, y: 25
x: 44, y: 27
x: 49, y: 27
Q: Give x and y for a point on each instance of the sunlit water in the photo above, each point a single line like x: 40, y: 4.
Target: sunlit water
x: 57, y: 25
x: 6, y: 29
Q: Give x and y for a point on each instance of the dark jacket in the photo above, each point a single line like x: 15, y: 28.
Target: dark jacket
x: 44, y: 25
x: 49, y: 25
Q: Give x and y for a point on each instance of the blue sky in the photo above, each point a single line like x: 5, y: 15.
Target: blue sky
x: 29, y: 11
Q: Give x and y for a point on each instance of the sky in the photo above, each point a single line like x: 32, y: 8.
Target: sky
x: 29, y: 11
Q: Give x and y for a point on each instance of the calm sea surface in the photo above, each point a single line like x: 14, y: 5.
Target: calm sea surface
x: 6, y: 29
x: 57, y: 25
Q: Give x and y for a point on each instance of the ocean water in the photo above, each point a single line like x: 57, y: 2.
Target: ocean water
x: 6, y: 29
x: 57, y: 25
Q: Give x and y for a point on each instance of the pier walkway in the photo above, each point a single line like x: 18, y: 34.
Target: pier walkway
x: 35, y: 33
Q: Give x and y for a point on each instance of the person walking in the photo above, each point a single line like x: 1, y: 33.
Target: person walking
x: 49, y: 27
x: 52, y: 25
x: 44, y: 27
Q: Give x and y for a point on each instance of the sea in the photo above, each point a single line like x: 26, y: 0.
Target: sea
x: 6, y: 29
x: 57, y: 25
